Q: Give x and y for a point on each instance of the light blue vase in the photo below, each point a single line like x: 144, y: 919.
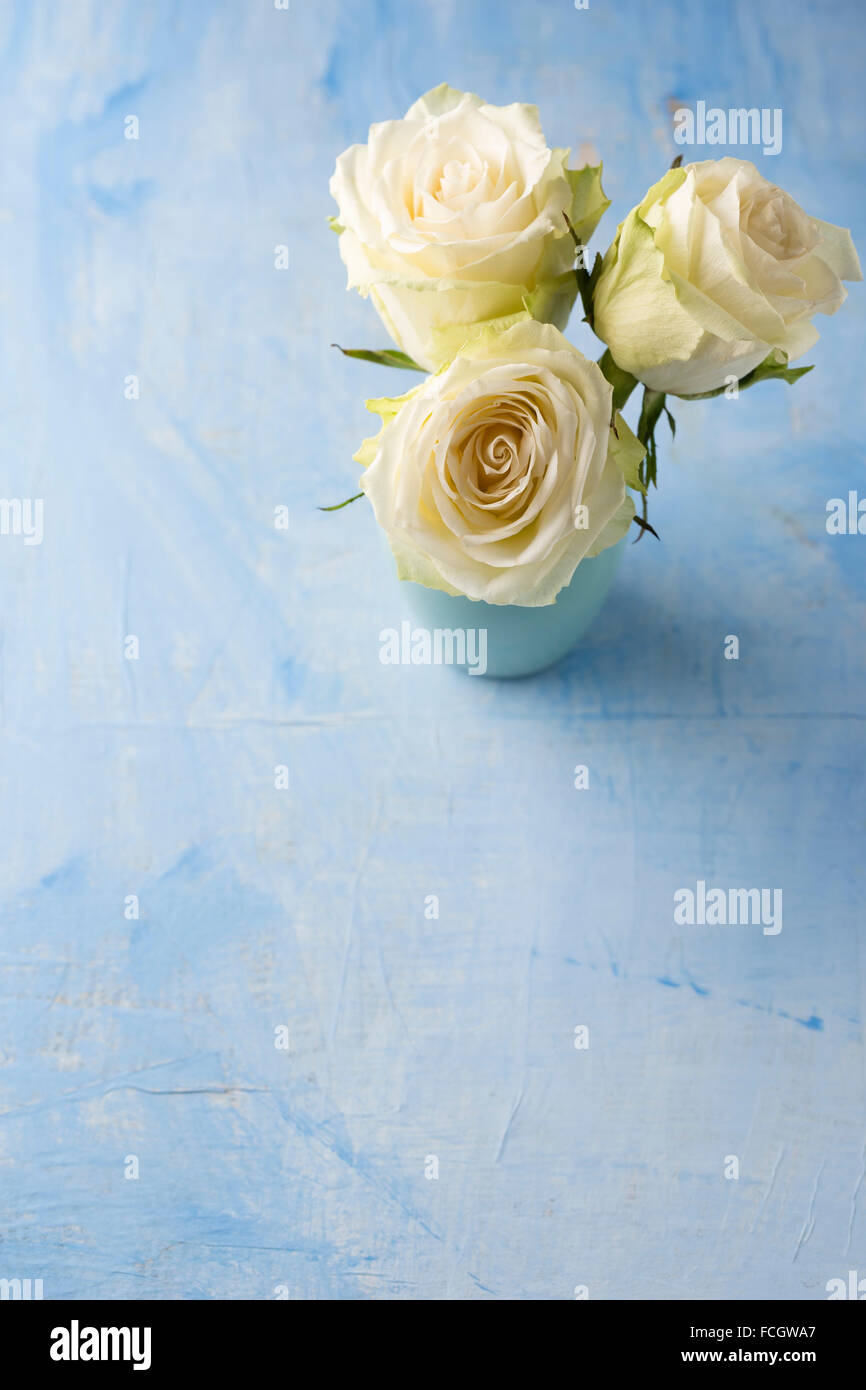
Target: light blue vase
x: 521, y: 641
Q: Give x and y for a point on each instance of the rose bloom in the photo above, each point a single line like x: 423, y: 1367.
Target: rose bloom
x: 497, y: 476
x: 455, y: 215
x: 715, y: 269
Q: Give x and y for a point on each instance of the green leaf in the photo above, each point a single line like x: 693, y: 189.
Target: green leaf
x: 338, y: 505
x: 773, y: 368
x: 387, y: 357
x: 578, y: 244
x: 586, y: 279
x: 627, y: 452
x: 644, y: 525
x: 652, y: 407
x: 591, y: 282
x: 623, y: 383
x: 650, y: 412
x: 589, y: 201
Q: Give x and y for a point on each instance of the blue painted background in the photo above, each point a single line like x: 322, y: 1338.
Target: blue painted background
x: 304, y: 1168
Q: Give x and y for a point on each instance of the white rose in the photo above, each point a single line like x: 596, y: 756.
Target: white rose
x: 455, y: 215
x: 715, y: 269
x: 497, y: 476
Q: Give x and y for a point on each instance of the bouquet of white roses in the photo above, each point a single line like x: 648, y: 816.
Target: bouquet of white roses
x: 511, y: 463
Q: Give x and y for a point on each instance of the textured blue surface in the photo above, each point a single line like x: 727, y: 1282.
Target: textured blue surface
x: 408, y: 1038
